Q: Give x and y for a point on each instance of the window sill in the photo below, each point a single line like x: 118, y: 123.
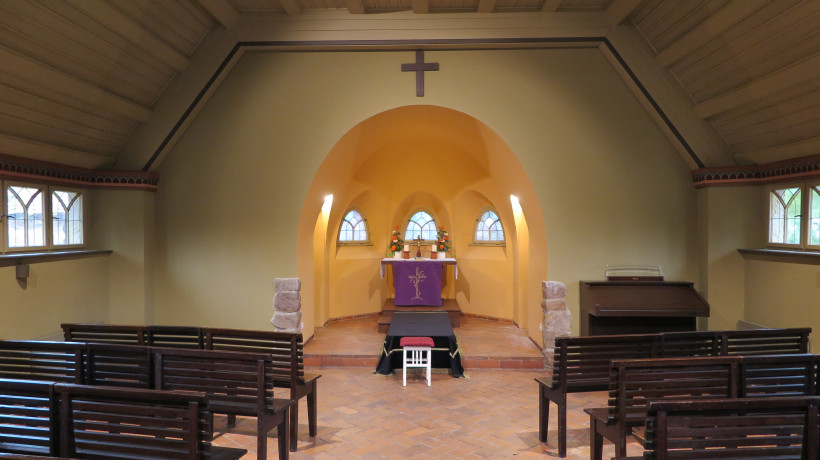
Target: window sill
x: 782, y: 255
x: 25, y: 258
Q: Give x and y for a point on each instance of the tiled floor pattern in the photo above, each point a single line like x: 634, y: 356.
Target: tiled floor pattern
x: 484, y: 344
x: 492, y: 414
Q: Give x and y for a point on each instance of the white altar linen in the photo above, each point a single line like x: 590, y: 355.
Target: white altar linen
x: 390, y: 261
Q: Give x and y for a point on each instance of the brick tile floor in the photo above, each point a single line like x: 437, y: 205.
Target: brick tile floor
x: 491, y: 414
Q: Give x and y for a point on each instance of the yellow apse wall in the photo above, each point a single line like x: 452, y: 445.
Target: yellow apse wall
x: 236, y: 207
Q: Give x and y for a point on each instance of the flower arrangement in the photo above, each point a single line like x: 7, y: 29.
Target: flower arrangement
x: 442, y: 240
x: 396, y: 243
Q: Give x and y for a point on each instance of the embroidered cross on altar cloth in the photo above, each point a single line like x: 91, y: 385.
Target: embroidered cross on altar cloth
x: 417, y: 282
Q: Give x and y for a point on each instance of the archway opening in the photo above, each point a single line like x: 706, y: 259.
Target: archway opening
x: 440, y: 160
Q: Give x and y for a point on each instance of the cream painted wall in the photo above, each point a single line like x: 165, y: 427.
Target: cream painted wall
x: 609, y: 186
x: 124, y: 222
x: 55, y: 292
x: 780, y: 294
x: 731, y: 218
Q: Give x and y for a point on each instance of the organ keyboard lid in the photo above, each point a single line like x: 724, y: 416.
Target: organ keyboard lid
x: 641, y: 291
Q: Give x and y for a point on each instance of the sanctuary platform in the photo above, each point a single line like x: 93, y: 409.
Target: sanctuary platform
x: 484, y: 344
x: 449, y: 306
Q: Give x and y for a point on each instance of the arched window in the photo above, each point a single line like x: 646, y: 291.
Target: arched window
x: 422, y: 225
x: 785, y: 208
x: 488, y: 228
x: 353, y: 228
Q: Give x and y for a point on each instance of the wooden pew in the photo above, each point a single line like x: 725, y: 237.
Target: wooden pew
x: 237, y: 383
x: 174, y: 336
x: 28, y: 418
x: 778, y: 375
x: 108, y: 423
x: 749, y: 428
x: 287, y: 354
x: 105, y: 333
x: 48, y: 361
x: 582, y: 364
x: 636, y: 382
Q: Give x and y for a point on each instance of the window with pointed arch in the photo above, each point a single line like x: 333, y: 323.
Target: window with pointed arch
x: 353, y: 229
x: 488, y: 229
x: 421, y: 224
x: 785, y: 216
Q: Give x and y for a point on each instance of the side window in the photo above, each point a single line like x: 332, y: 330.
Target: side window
x: 353, y: 228
x: 785, y: 213
x: 25, y: 223
x: 488, y: 228
x: 814, y: 215
x: 422, y: 225
x: 67, y: 217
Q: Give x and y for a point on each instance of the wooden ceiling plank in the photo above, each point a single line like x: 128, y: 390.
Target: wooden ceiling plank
x: 551, y: 6
x: 97, y: 38
x: 761, y: 88
x: 223, y: 12
x: 291, y: 7
x: 355, y: 6
x: 18, y: 127
x: 707, y: 30
x: 33, y: 102
x: 131, y: 31
x: 421, y: 6
x: 37, y: 150
x: 788, y: 101
x: 47, y: 76
x: 798, y: 149
x: 619, y: 10
x: 664, y: 18
x: 758, y: 27
x: 485, y: 6
x: 183, y: 33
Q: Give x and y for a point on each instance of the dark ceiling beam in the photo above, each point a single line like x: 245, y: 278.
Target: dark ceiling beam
x: 355, y: 6
x: 222, y: 11
x: 421, y: 6
x: 620, y: 9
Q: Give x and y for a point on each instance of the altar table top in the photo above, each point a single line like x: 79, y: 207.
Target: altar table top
x: 436, y: 325
x: 390, y: 261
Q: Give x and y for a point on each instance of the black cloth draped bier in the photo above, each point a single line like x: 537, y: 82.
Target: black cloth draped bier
x: 435, y: 325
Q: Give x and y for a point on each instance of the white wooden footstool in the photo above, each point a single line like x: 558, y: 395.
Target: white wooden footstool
x: 416, y: 352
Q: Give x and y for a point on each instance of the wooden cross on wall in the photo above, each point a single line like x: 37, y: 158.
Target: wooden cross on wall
x: 420, y: 67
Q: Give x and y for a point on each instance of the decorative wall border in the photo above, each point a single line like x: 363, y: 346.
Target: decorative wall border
x: 780, y: 171
x: 15, y: 168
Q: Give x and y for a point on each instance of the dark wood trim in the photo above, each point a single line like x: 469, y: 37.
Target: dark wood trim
x: 24, y: 258
x: 43, y: 172
x: 781, y: 255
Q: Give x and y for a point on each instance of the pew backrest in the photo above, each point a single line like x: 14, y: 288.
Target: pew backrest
x: 778, y: 375
x: 238, y: 380
x: 765, y: 341
x: 105, y: 333
x: 689, y: 344
x: 174, y: 336
x: 47, y: 361
x: 765, y: 428
x: 118, y: 365
x: 285, y: 349
x: 637, y: 382
x: 28, y: 418
x: 583, y: 363
x: 108, y: 423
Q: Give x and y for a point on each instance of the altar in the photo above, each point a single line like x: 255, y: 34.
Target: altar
x: 419, y: 285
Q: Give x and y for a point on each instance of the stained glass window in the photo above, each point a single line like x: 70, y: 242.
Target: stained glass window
x: 488, y: 228
x: 353, y: 228
x: 67, y: 217
x: 421, y: 225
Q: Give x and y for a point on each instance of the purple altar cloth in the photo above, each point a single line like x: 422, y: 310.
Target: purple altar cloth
x: 417, y: 282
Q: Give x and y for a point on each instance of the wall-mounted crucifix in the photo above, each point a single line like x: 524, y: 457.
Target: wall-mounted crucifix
x: 420, y: 67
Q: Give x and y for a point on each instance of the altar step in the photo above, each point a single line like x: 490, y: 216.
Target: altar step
x: 469, y: 362
x: 449, y: 306
x: 486, y: 344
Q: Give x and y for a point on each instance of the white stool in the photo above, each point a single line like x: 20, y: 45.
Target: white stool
x: 416, y: 352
